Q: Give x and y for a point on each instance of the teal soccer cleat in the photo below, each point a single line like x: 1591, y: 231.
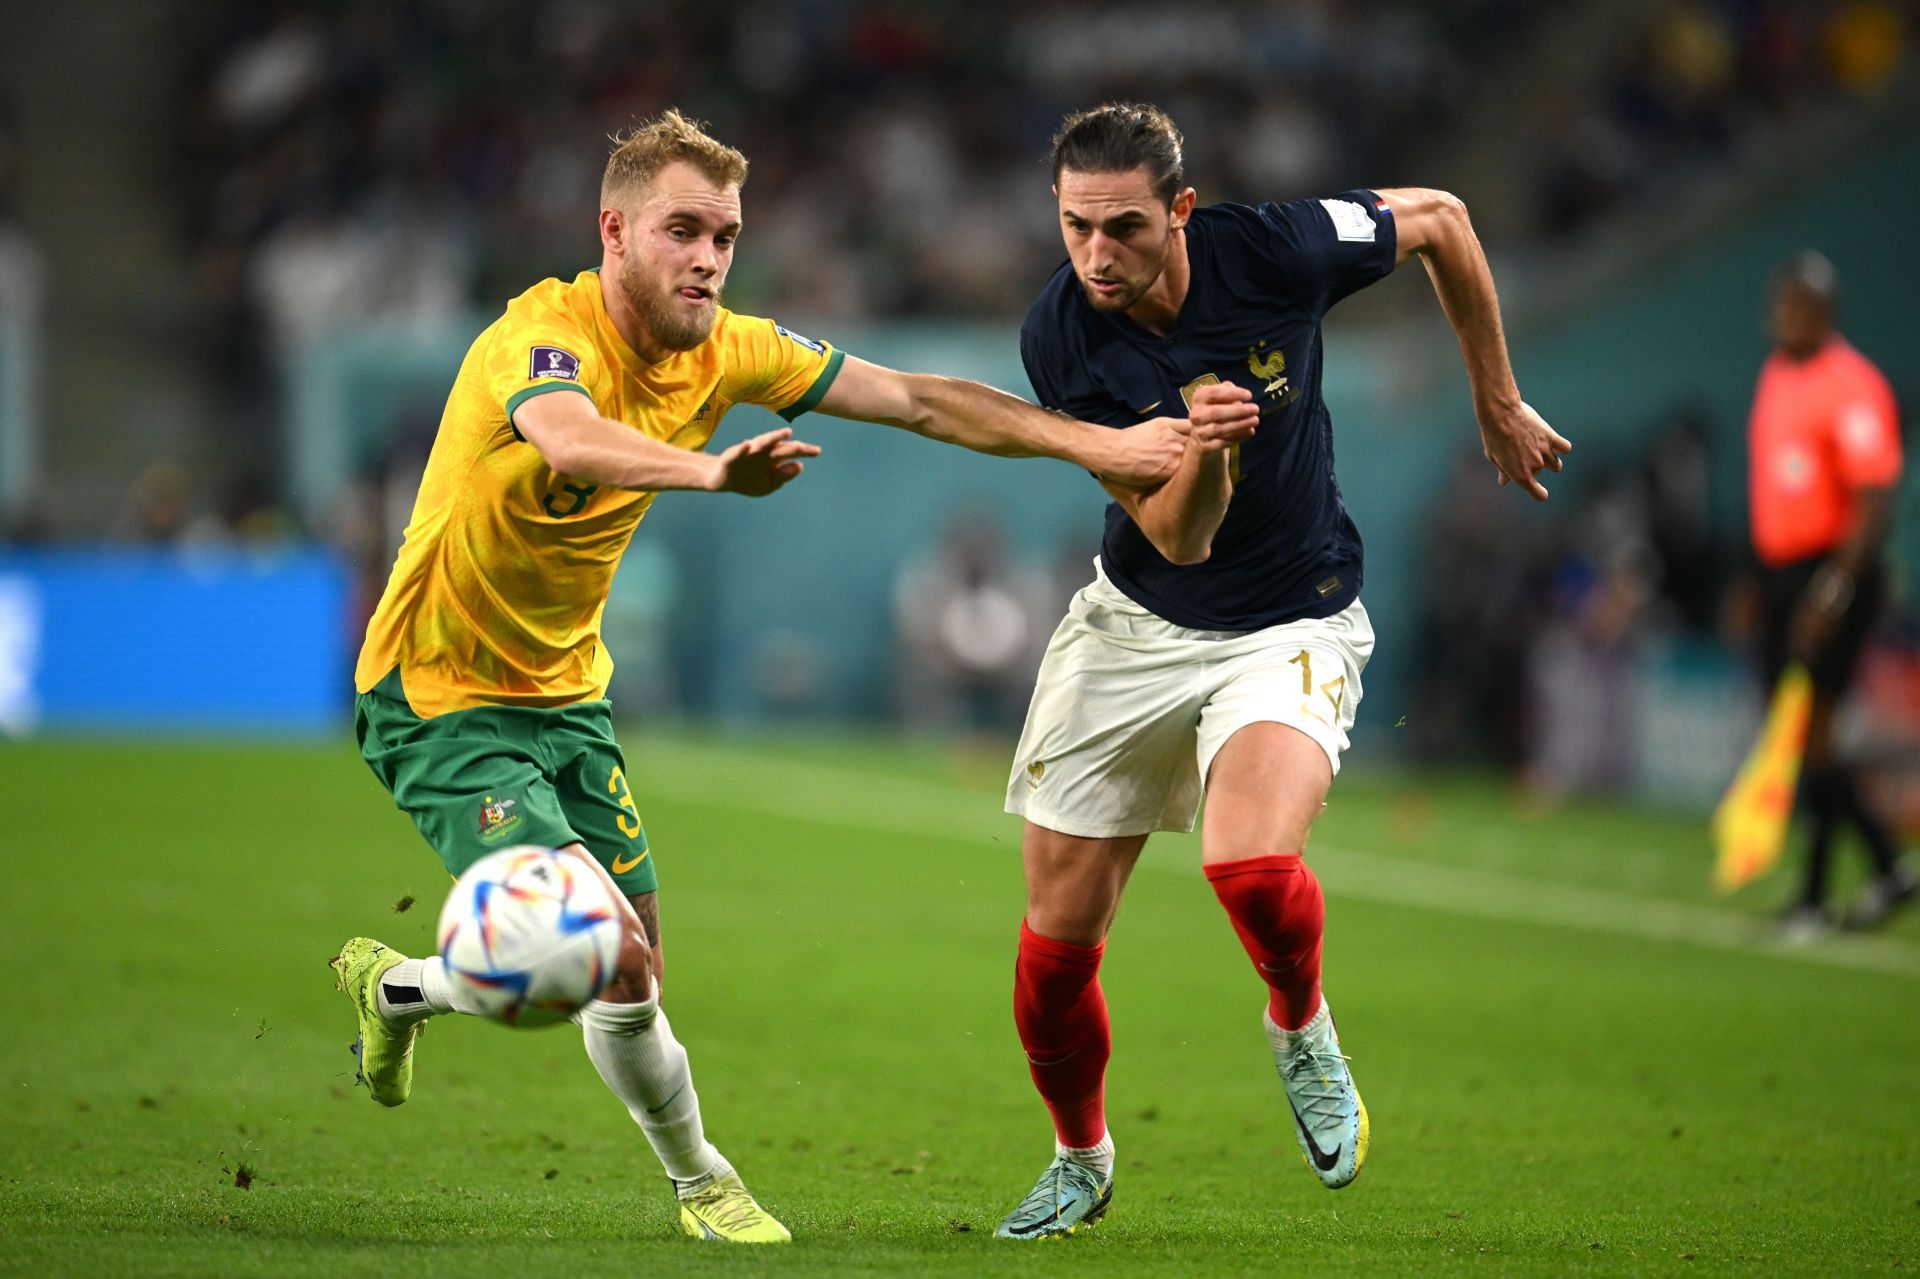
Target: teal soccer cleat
x: 1068, y: 1196
x: 1329, y: 1119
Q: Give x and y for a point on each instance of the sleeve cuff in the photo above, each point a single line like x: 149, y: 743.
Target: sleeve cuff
x: 818, y: 391
x: 520, y: 397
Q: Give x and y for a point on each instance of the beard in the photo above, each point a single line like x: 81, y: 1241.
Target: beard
x: 671, y: 325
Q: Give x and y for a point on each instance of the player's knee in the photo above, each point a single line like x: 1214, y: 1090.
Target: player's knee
x: 633, y: 980
x: 1078, y: 922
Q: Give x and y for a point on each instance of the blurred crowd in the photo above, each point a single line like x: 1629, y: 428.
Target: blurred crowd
x: 1582, y: 648
x: 415, y: 163
x: 361, y: 159
x: 1526, y: 640
x: 355, y: 160
x: 1697, y: 84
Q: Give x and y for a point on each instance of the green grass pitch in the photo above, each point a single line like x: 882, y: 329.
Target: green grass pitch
x: 1575, y: 1061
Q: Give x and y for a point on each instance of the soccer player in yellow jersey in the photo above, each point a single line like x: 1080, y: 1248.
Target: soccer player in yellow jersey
x: 482, y: 684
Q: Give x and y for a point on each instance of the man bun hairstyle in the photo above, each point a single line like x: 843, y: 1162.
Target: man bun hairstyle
x: 1118, y: 137
x: 640, y: 152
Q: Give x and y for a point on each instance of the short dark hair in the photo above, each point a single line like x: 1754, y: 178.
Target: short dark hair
x: 1811, y: 271
x: 1117, y: 137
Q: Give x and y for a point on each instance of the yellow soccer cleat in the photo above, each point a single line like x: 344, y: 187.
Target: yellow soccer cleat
x: 724, y: 1210
x: 385, y: 1053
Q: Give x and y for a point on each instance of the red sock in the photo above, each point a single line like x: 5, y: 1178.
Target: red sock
x: 1062, y: 1018
x: 1276, y: 907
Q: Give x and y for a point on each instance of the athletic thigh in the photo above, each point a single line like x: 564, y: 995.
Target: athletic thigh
x: 1273, y: 730
x: 589, y: 773
x: 1108, y: 746
x: 1074, y: 884
x: 1267, y: 787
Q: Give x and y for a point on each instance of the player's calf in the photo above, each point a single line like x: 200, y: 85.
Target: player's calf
x: 1061, y: 1015
x: 632, y: 1046
x: 1278, y: 912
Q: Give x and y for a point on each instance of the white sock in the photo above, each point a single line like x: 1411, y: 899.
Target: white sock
x: 1098, y: 1157
x: 633, y: 1048
x: 1283, y: 1040
x: 416, y: 989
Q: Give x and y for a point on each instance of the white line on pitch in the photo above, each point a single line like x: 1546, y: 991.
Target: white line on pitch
x: 796, y: 790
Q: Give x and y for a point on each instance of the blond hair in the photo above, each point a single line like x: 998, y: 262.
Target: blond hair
x: 642, y: 151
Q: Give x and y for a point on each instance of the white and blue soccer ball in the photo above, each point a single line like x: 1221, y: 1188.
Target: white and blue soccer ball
x: 529, y: 935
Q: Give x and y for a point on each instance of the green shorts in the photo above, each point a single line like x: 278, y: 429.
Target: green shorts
x: 479, y: 780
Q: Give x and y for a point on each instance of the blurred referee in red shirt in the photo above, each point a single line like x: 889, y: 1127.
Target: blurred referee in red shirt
x: 1824, y: 443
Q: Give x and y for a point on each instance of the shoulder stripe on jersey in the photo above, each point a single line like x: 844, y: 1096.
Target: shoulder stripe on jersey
x: 521, y: 396
x: 818, y: 391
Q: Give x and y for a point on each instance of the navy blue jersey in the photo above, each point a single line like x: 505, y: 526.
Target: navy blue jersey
x: 1262, y: 278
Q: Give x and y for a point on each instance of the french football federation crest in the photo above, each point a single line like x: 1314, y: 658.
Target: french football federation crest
x: 1270, y: 367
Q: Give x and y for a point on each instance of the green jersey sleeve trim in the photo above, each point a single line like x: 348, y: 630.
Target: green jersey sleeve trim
x: 520, y: 397
x: 818, y: 391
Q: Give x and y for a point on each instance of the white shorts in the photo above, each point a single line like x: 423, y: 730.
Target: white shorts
x: 1129, y: 709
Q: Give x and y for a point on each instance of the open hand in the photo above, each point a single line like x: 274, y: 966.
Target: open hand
x: 758, y: 466
x: 1520, y: 445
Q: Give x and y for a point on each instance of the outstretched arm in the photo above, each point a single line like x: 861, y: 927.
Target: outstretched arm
x: 580, y: 444
x: 980, y: 418
x: 1516, y: 440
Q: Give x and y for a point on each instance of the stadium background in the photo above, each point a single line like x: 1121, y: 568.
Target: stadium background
x: 243, y: 247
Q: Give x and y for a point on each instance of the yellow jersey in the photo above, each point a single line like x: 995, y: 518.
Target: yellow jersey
x: 496, y: 596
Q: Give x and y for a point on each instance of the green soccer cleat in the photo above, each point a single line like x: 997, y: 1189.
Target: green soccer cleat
x: 1068, y: 1195
x: 1329, y: 1119
x: 723, y: 1210
x: 385, y: 1053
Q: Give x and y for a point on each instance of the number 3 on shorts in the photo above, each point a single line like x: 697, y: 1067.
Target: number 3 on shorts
x: 617, y: 787
x: 1335, y: 689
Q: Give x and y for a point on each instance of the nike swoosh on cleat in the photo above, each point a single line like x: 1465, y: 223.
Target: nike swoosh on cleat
x: 1048, y: 1223
x: 1035, y: 1228
x: 1321, y: 1160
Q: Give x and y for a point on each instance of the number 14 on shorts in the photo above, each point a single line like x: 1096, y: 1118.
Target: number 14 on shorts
x: 1335, y: 689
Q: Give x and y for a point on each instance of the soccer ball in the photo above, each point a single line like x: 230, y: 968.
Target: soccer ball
x: 530, y: 935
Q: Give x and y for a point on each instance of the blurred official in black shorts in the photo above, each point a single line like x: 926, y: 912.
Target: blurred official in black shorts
x: 1824, y: 452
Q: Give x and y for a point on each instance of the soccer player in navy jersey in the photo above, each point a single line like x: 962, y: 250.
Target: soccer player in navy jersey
x: 1219, y: 647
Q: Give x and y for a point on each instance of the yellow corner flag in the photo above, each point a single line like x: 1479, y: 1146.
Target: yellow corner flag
x: 1750, y: 825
